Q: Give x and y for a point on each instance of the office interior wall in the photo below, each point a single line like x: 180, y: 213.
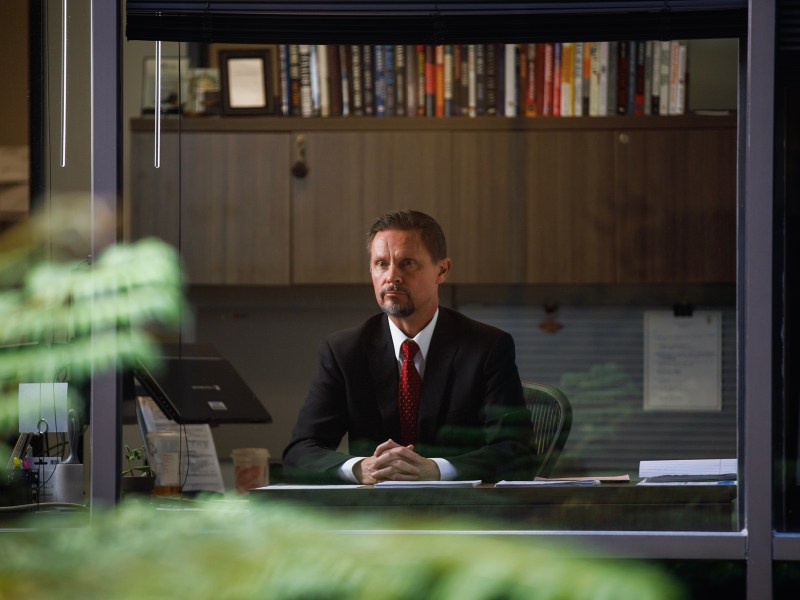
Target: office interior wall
x: 14, y: 66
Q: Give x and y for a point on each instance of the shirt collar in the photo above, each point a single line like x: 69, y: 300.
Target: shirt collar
x: 423, y: 338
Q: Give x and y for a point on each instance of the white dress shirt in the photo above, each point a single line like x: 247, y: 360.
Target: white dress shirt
x: 423, y: 339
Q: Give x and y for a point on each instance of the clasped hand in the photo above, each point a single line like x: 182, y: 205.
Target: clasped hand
x: 393, y: 462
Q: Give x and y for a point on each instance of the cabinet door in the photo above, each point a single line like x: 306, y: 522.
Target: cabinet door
x: 235, y: 207
x: 353, y: 178
x: 153, y: 208
x: 534, y: 207
x: 221, y: 198
x: 676, y: 212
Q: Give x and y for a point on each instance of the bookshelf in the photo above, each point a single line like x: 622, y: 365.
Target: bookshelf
x: 608, y: 200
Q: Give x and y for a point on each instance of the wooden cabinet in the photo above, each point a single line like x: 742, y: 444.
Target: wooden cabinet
x: 222, y: 198
x: 561, y: 200
x: 354, y: 177
x: 676, y: 205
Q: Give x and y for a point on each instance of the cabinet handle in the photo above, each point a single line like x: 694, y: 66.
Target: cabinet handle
x: 624, y: 138
x: 300, y: 168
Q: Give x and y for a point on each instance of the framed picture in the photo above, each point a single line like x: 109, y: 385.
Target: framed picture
x: 174, y: 85
x: 246, y: 82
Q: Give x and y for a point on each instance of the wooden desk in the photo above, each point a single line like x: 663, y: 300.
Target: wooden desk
x: 606, y: 507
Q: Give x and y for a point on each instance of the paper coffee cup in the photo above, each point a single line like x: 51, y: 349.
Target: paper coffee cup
x: 250, y: 468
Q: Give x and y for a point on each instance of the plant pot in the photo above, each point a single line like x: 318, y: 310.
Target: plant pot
x: 137, y: 486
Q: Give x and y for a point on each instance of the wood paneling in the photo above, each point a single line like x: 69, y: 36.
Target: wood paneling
x: 352, y: 179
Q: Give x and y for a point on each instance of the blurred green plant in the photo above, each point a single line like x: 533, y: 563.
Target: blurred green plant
x: 136, y: 460
x: 241, y: 550
x: 64, y: 316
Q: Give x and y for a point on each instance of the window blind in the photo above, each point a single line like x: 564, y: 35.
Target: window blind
x: 443, y: 22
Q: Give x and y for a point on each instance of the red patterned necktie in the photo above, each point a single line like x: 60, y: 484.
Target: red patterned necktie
x: 408, y: 394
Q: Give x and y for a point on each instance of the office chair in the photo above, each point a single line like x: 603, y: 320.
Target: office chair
x: 551, y: 415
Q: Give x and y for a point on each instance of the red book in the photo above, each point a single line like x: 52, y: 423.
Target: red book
x: 439, y: 82
x: 531, y: 108
x: 430, y: 81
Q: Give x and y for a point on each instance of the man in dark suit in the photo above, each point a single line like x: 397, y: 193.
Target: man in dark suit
x: 451, y: 407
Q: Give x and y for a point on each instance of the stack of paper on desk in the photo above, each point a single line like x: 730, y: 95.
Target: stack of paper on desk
x: 686, y: 472
x: 429, y: 484
x: 556, y: 481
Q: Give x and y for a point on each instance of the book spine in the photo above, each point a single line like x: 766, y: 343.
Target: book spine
x: 587, y: 73
x: 401, y: 87
x: 647, y: 88
x: 567, y: 78
x: 594, y: 79
x: 283, y: 53
x: 664, y: 69
x: 642, y: 79
x: 547, y: 81
x: 430, y: 81
x: 480, y: 79
x: 463, y: 94
x: 447, y: 83
x: 411, y: 80
x: 457, y: 75
x: 500, y: 79
x: 557, y: 79
x: 388, y: 65
x: 678, y: 79
x: 630, y: 101
x: 344, y: 68
x: 356, y: 82
x: 528, y: 75
x: 622, y: 78
x: 306, y: 106
x: 603, y: 91
x: 577, y: 82
x: 368, y: 80
x: 324, y: 90
x: 439, y: 82
x: 315, y: 79
x: 613, y: 71
x: 421, y: 62
x: 294, y: 79
x: 491, y: 79
x: 379, y: 59
x: 511, y: 80
x: 334, y: 80
x: 472, y: 99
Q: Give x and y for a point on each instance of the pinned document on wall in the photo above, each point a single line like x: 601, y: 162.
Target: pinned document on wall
x: 683, y: 361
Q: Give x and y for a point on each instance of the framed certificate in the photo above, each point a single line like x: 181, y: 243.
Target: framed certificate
x: 246, y: 82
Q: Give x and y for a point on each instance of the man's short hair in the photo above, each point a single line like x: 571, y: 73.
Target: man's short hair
x: 412, y: 220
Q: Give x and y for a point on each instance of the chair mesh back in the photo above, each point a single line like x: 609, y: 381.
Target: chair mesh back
x: 551, y: 416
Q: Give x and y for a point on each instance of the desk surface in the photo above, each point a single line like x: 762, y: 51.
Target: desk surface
x: 605, y: 507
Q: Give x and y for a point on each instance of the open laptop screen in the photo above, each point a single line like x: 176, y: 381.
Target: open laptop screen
x: 194, y: 384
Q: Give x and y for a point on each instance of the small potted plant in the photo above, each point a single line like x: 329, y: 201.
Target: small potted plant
x: 138, y: 477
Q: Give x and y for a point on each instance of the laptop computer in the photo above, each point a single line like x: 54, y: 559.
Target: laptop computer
x: 194, y: 384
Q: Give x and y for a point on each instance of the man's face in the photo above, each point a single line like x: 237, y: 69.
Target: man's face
x: 405, y: 277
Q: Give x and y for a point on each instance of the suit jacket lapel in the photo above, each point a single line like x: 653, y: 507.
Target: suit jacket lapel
x: 383, y: 370
x: 438, y: 369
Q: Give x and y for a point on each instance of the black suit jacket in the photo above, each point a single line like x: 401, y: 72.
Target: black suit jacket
x: 472, y: 410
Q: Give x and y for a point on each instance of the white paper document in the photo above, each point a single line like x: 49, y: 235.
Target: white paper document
x: 682, y: 361
x: 549, y: 483
x: 703, y: 466
x: 294, y: 486
x: 429, y: 484
x: 201, y: 454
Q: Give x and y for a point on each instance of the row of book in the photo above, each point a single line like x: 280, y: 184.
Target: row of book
x: 512, y: 80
